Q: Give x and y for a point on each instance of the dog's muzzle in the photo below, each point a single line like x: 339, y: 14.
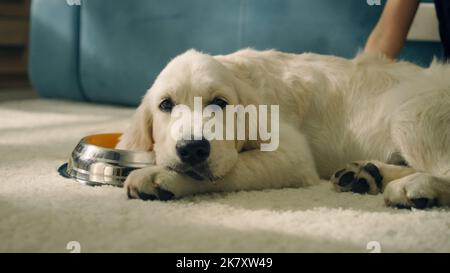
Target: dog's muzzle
x: 194, y: 156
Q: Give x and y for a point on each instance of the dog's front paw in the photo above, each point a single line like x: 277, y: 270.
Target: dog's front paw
x: 358, y: 177
x: 148, y: 184
x: 414, y: 191
x: 160, y: 183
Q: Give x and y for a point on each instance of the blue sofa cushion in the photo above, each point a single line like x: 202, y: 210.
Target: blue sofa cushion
x: 53, y: 54
x: 112, y: 52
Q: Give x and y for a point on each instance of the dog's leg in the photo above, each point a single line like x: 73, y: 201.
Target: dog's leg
x: 419, y: 190
x: 370, y: 177
x: 291, y: 165
x: 421, y: 132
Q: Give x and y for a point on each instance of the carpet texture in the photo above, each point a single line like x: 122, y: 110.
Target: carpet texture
x: 40, y: 211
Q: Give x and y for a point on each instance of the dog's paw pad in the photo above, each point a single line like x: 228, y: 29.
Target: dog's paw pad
x: 417, y: 203
x: 423, y: 203
x: 164, y: 195
x: 360, y: 186
x: 358, y: 178
x: 374, y: 172
x: 159, y: 194
x: 146, y: 196
x: 346, y: 178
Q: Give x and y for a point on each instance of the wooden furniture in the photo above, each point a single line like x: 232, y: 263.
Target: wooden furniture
x: 14, y: 26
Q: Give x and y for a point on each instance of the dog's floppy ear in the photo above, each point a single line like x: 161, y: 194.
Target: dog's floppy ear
x: 139, y: 136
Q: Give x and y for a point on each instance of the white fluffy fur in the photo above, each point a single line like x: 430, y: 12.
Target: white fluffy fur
x: 333, y: 111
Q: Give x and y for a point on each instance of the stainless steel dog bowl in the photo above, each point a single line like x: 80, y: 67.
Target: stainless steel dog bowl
x: 95, y: 161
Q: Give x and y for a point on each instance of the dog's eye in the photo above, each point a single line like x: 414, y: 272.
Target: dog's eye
x: 219, y: 102
x: 166, y: 105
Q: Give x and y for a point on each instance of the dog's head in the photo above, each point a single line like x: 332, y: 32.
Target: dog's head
x: 188, y: 76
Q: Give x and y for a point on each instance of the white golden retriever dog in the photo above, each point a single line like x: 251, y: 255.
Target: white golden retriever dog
x: 355, y: 121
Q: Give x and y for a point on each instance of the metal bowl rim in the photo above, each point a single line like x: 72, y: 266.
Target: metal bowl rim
x: 147, y: 156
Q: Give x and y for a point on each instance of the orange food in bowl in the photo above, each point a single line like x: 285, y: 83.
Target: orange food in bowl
x: 108, y: 141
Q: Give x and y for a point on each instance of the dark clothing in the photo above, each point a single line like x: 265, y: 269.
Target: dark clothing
x: 443, y: 14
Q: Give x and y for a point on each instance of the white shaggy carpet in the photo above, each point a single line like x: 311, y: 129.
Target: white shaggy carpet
x: 41, y: 212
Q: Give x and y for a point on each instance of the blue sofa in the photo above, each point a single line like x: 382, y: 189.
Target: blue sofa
x: 110, y: 51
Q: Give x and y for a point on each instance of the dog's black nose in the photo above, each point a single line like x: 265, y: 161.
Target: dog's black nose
x: 193, y: 152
